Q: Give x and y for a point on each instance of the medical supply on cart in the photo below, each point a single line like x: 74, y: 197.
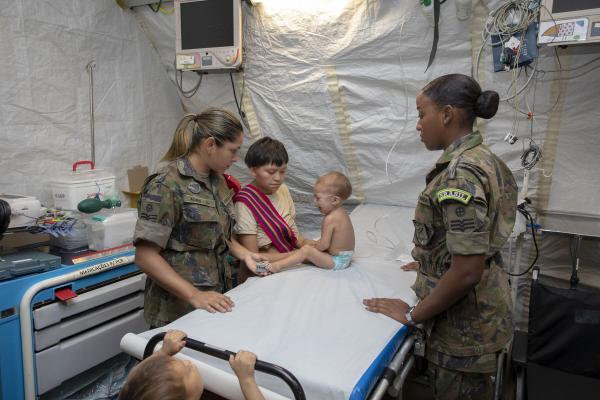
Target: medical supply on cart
x: 24, y: 263
x: 24, y: 210
x: 111, y: 228
x: 71, y: 188
x: 90, y: 206
x: 74, y: 238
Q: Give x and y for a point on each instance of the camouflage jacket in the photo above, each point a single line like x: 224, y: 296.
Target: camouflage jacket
x: 190, y: 216
x: 468, y: 207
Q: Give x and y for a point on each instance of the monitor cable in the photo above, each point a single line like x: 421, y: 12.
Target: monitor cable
x: 523, y: 210
x: 241, y: 113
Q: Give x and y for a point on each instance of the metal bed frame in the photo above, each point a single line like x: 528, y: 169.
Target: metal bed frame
x: 392, y: 380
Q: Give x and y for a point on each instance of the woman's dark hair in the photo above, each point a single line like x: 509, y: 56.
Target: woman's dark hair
x: 153, y: 379
x: 266, y: 151
x: 218, y: 123
x: 464, y: 92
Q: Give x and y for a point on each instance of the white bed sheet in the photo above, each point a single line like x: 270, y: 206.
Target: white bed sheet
x: 311, y: 321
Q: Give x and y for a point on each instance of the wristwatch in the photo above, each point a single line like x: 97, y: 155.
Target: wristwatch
x: 409, y: 318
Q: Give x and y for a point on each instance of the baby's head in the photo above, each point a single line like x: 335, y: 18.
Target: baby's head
x: 165, y: 378
x: 267, y: 160
x: 331, y: 190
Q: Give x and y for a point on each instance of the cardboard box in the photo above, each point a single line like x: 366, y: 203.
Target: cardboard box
x: 136, y: 176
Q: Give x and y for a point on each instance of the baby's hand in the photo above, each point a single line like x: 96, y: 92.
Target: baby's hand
x: 173, y: 342
x: 309, y: 242
x: 263, y: 268
x: 273, y: 268
x: 243, y: 364
x: 253, y: 261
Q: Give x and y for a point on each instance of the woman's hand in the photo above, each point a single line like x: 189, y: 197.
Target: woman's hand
x: 411, y: 266
x: 173, y: 342
x: 211, y: 302
x: 393, y: 308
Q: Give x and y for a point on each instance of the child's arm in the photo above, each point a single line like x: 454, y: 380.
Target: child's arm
x: 327, y: 228
x: 173, y: 342
x: 243, y: 366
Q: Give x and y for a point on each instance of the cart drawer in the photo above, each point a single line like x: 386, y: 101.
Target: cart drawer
x: 55, y: 312
x: 71, y: 326
x: 79, y: 353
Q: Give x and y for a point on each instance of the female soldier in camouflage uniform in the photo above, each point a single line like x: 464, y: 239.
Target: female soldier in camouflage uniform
x: 462, y: 219
x: 183, y: 235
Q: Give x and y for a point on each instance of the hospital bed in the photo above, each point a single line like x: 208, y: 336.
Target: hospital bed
x: 311, y: 321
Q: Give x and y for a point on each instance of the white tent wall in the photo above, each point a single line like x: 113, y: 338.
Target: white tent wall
x: 44, y: 92
x: 376, y: 52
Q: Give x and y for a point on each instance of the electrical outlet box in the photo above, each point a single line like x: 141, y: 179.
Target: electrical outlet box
x: 504, y: 55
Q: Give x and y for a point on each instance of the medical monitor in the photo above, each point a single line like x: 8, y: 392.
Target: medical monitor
x: 569, y: 22
x: 209, y: 34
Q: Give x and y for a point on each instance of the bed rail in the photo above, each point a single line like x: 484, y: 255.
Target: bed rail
x: 262, y: 366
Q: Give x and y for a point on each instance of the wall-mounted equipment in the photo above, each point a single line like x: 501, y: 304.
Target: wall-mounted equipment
x: 209, y: 34
x: 517, y: 51
x: 565, y: 22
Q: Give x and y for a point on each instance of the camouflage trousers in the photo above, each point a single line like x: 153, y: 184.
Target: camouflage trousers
x: 463, y: 378
x: 448, y: 384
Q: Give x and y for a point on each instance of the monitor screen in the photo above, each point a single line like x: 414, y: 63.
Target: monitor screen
x: 559, y: 6
x: 206, y: 24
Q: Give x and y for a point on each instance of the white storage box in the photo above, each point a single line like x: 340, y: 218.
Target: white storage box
x: 24, y: 209
x: 111, y: 228
x: 69, y: 189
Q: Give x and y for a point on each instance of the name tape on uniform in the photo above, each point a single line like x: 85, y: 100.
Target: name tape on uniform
x: 459, y: 195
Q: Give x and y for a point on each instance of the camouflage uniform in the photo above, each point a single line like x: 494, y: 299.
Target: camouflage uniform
x: 467, y: 208
x: 190, y: 216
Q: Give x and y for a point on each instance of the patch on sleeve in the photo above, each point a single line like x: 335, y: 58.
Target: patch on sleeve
x: 455, y: 194
x: 462, y: 225
x: 149, y: 210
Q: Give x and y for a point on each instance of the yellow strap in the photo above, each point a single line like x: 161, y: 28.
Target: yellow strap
x: 252, y: 128
x: 343, y: 124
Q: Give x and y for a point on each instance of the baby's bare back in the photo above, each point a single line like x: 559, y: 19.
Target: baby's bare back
x: 342, y: 238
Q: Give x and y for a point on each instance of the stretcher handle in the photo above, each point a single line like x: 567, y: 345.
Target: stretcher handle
x: 263, y: 366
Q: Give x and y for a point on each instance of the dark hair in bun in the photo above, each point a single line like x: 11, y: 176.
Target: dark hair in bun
x: 487, y: 104
x: 464, y: 92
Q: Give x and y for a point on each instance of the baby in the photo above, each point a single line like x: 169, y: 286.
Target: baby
x: 335, y: 248
x: 164, y: 377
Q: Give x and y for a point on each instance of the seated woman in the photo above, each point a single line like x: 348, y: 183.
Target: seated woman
x: 265, y: 212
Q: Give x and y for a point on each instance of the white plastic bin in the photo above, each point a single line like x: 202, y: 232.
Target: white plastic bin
x: 111, y: 228
x: 69, y: 189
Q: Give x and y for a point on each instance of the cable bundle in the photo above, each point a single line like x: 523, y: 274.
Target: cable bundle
x: 523, y: 210
x: 510, y: 18
x: 531, y: 156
